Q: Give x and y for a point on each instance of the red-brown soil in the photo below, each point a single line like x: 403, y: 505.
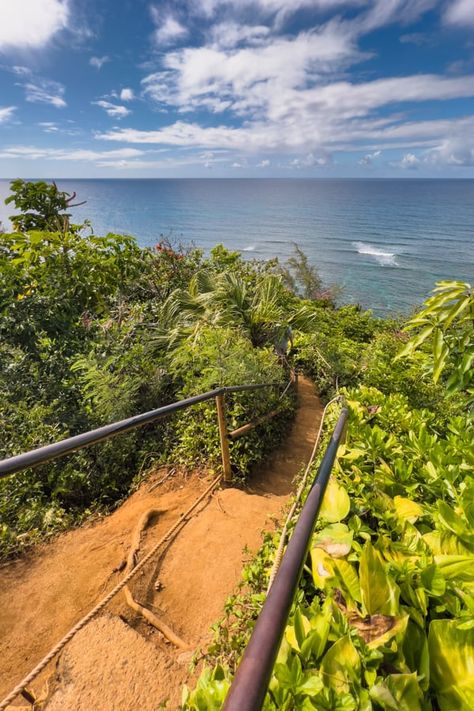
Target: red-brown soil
x: 118, y: 662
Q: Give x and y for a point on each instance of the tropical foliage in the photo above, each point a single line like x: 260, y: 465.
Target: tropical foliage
x: 95, y: 328
x: 384, y: 615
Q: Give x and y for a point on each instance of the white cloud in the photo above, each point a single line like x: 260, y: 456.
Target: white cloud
x: 249, y: 78
x: 127, y: 95
x: 311, y: 161
x: 168, y: 28
x: 49, y: 126
x: 31, y: 24
x: 20, y: 71
x: 369, y: 158
x: 270, y: 7
x: 66, y: 154
x: 229, y: 34
x: 45, y: 91
x: 460, y: 12
x: 386, y: 12
x: 264, y: 163
x: 410, y: 160
x: 321, y: 118
x: 6, y: 113
x: 454, y: 151
x: 98, y: 62
x: 114, y: 110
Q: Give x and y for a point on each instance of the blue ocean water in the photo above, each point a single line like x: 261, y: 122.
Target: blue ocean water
x: 386, y: 242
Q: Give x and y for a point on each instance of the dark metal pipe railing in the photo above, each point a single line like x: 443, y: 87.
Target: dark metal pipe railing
x: 251, y: 680
x: 72, y: 444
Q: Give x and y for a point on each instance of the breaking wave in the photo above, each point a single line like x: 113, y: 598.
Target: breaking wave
x: 384, y: 258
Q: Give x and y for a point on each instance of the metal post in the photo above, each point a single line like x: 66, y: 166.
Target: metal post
x: 251, y: 680
x: 224, y: 438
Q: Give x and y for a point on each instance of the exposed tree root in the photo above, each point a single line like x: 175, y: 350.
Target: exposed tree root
x: 131, y: 563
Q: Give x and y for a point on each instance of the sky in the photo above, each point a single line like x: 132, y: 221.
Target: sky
x: 236, y: 88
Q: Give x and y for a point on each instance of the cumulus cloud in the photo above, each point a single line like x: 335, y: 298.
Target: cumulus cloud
x: 113, y: 110
x: 98, y: 62
x: 6, y: 113
x: 31, y: 24
x: 249, y: 78
x: 311, y: 161
x: 369, y: 158
x: 410, y: 161
x: 168, y: 29
x: 44, y: 91
x: 460, y: 12
x: 127, y: 95
x: 264, y: 163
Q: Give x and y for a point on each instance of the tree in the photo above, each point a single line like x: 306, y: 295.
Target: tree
x: 42, y: 206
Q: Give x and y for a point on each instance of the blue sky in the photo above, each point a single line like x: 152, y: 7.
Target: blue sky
x: 236, y: 88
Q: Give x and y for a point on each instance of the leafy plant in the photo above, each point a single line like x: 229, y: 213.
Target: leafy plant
x: 42, y: 206
x: 446, y: 321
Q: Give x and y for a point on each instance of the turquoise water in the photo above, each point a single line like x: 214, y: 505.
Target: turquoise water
x: 386, y: 242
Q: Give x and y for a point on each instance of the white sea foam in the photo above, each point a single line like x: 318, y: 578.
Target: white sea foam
x: 383, y: 257
x: 249, y: 248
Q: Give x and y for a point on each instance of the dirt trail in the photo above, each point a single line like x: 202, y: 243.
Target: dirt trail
x: 117, y: 662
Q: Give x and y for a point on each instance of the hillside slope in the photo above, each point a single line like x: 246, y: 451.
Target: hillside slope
x: 45, y: 593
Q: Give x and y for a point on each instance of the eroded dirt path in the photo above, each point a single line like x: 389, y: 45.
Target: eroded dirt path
x: 118, y: 662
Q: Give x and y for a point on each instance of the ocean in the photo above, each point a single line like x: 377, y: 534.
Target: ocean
x: 385, y: 242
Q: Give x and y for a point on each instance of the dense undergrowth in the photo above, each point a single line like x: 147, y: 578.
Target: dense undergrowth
x: 94, y: 329
x: 384, y: 614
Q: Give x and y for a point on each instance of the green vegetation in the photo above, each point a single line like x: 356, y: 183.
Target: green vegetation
x: 95, y: 329
x: 384, y: 615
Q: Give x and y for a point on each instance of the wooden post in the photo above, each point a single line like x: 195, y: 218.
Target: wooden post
x: 295, y: 379
x: 224, y: 438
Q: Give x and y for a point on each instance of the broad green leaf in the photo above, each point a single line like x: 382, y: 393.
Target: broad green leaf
x: 336, y: 503
x: 341, y: 665
x: 415, y: 651
x: 398, y: 692
x: 457, y: 309
x: 296, y: 633
x: 380, y: 593
x: 452, y: 665
x: 335, y: 539
x: 315, y: 643
x: 311, y: 686
x: 415, y: 342
x: 456, y: 567
x: 348, y: 580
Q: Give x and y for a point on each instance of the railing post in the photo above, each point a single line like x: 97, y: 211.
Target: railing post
x: 295, y: 379
x: 220, y: 404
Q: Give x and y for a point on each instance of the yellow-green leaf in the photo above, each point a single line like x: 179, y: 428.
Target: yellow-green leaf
x: 452, y: 665
x: 407, y: 510
x: 336, y: 503
x: 380, y: 593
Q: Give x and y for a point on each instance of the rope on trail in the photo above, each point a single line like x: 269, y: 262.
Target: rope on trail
x: 100, y: 605
x: 131, y: 602
x: 299, y: 493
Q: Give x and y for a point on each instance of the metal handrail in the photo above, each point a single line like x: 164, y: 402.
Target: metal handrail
x: 47, y: 453
x: 248, y: 690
